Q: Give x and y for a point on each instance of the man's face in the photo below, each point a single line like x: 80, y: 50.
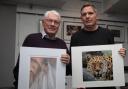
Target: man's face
x: 51, y: 24
x: 89, y: 17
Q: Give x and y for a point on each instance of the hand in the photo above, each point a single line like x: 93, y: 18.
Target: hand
x: 122, y: 52
x: 65, y: 58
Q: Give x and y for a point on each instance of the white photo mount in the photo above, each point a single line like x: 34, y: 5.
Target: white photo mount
x: 24, y: 67
x: 77, y: 66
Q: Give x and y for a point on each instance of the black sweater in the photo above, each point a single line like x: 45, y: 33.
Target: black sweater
x: 99, y: 37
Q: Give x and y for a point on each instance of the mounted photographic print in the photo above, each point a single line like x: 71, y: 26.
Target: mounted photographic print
x: 70, y: 28
x: 41, y: 68
x: 97, y: 66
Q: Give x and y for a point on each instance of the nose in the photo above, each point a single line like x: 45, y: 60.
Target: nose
x: 98, y: 69
x: 87, y: 15
x: 52, y: 23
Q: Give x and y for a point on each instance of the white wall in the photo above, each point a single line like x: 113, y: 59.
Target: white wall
x: 26, y: 24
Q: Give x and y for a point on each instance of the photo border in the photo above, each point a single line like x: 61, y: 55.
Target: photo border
x: 77, y: 71
x: 24, y: 66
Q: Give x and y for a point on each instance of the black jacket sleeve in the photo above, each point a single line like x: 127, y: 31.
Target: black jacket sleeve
x: 16, y: 68
x: 16, y: 73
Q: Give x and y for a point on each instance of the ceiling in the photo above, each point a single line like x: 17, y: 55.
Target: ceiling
x: 120, y: 7
x: 43, y: 3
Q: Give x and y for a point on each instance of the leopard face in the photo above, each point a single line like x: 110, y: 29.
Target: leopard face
x: 100, y: 67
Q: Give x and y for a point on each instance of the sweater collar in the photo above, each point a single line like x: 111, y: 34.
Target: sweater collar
x: 44, y: 35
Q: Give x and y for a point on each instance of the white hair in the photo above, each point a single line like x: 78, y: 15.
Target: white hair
x: 52, y: 11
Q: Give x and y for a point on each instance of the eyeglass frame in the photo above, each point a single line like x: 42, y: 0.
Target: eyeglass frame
x: 50, y: 21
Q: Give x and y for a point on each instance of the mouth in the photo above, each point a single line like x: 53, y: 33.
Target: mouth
x: 98, y: 76
x: 88, y: 21
x: 52, y: 28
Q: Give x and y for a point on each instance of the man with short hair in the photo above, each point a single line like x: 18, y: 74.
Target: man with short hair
x: 92, y: 34
x: 46, y: 39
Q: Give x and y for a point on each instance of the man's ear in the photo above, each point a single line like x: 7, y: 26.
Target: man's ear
x: 43, y: 23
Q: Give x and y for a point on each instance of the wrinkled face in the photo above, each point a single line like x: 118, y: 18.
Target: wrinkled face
x: 51, y: 24
x: 89, y: 16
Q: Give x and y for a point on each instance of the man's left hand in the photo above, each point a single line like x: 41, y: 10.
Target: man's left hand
x: 65, y: 58
x: 122, y: 52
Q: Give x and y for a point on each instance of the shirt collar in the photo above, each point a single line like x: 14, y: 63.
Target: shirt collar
x: 93, y: 29
x: 44, y: 35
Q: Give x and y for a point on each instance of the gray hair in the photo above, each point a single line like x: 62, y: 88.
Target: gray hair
x: 52, y: 11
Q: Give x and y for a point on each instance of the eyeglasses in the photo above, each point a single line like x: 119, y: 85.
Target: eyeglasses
x: 50, y: 21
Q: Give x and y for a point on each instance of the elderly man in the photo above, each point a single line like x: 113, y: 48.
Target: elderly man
x: 46, y: 39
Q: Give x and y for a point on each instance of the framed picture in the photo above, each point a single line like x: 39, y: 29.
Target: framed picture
x: 41, y: 68
x: 118, y: 32
x: 102, y: 25
x: 70, y: 28
x: 97, y: 66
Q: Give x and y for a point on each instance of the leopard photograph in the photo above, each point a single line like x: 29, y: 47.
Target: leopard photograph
x: 97, y: 65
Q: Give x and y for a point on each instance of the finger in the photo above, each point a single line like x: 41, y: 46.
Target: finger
x: 65, y: 60
x: 122, y: 53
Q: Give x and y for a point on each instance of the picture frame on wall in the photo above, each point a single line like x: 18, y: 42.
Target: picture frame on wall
x: 102, y: 25
x: 118, y: 32
x: 69, y: 28
x: 103, y: 58
x: 39, y: 67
